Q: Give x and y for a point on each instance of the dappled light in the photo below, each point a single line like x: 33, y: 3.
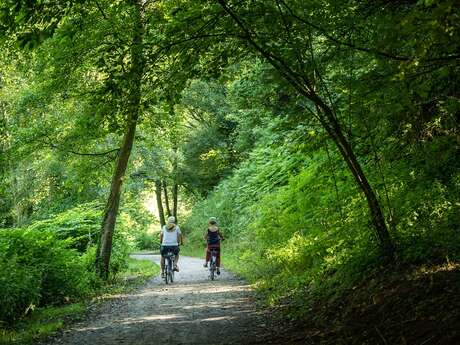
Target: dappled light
x: 307, y: 152
x: 189, y: 311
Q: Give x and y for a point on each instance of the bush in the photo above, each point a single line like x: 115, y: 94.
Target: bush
x: 294, y: 225
x: 80, y: 225
x: 20, y: 289
x: 39, y: 270
x: 120, y: 255
x: 146, y: 241
x: 51, y: 261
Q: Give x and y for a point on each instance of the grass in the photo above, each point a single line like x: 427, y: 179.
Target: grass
x: 139, y: 271
x: 193, y: 250
x: 44, y: 322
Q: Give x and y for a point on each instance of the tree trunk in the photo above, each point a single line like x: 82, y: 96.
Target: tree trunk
x: 302, y: 84
x: 174, y: 193
x: 332, y: 126
x: 161, y: 212
x: 175, y: 187
x: 165, y: 190
x: 111, y: 210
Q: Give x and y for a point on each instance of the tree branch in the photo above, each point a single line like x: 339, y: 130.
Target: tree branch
x: 366, y: 50
x: 54, y: 146
x: 100, y: 9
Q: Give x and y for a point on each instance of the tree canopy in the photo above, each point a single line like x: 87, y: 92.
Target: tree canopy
x: 322, y: 134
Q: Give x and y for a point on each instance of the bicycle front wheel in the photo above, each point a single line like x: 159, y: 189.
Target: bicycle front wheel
x: 168, y: 270
x: 171, y: 269
x: 212, y: 271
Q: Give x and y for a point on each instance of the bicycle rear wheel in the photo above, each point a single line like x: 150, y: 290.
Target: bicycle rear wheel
x: 171, y: 278
x: 168, y: 269
x: 212, y: 268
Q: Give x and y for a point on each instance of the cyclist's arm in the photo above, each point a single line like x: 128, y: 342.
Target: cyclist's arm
x: 180, y: 239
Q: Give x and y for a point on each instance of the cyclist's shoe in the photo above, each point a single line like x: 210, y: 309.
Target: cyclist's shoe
x: 218, y: 270
x: 205, y: 265
x: 176, y: 268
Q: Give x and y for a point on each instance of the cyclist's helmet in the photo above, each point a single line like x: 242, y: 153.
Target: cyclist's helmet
x: 212, y: 220
x: 172, y: 220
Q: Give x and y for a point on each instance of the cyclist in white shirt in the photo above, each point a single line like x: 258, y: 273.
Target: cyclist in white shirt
x: 170, y: 239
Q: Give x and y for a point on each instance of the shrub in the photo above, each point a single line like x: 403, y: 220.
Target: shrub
x: 40, y: 270
x: 80, y: 225
x: 296, y: 224
x: 146, y: 241
x: 20, y: 289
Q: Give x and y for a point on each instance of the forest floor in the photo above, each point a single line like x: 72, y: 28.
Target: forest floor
x: 414, y: 305
x: 407, y: 305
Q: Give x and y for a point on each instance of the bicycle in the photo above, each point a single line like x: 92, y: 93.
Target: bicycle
x: 213, y: 263
x: 169, y: 267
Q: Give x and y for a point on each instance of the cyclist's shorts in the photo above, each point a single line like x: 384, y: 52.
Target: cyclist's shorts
x: 165, y: 249
x: 213, y: 246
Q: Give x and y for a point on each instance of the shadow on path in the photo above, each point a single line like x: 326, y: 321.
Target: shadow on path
x: 192, y: 310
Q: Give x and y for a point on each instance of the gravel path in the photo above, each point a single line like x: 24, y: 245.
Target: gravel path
x: 193, y: 310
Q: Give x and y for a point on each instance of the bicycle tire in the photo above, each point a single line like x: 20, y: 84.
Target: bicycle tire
x: 168, y: 268
x: 171, y: 278
x: 167, y: 276
x: 212, y: 268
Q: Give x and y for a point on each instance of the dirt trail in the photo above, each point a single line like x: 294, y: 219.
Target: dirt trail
x: 193, y: 310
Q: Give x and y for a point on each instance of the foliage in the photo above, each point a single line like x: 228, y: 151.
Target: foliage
x: 306, y: 229
x: 52, y: 261
x: 42, y: 323
x: 140, y: 269
x: 146, y: 241
x: 39, y: 270
x: 294, y: 221
x: 232, y: 108
x: 79, y: 225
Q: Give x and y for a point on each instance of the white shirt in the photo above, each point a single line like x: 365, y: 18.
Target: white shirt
x: 170, y: 237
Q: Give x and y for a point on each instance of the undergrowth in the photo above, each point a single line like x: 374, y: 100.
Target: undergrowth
x: 298, y: 228
x: 44, y: 322
x: 48, y: 266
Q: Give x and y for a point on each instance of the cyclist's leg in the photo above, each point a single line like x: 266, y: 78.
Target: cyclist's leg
x: 162, y: 265
x: 176, y: 259
x: 207, y: 255
x: 218, y: 260
x: 214, y: 247
x: 163, y: 251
